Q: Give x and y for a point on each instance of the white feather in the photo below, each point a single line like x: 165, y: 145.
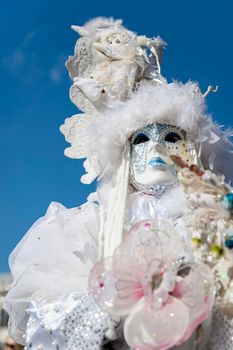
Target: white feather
x: 103, y: 136
x: 91, y: 26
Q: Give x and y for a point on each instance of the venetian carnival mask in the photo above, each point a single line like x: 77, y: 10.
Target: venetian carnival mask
x: 151, y: 168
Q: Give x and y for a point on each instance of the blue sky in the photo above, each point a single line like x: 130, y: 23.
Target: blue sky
x: 35, y: 41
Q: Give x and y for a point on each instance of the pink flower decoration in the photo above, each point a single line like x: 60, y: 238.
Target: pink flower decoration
x: 163, y: 300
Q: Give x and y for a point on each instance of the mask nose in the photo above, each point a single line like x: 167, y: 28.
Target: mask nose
x: 157, y: 147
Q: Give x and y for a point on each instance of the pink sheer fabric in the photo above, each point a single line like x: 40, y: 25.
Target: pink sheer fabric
x: 147, y: 281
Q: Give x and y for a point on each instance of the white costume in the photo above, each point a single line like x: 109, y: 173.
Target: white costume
x: 146, y: 263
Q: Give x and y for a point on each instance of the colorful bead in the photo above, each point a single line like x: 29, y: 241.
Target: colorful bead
x: 196, y: 243
x: 229, y: 242
x: 196, y: 240
x: 217, y: 250
x: 228, y: 200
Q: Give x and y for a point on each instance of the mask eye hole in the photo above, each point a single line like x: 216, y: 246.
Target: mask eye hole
x: 140, y: 138
x: 172, y: 137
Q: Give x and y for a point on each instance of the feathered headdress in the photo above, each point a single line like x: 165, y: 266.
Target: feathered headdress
x: 118, y: 84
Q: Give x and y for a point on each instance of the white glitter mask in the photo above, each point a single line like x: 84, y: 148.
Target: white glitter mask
x: 150, y: 166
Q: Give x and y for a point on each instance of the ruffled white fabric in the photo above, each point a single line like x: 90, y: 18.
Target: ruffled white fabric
x: 171, y: 207
x: 145, y: 207
x: 59, y: 251
x: 55, y: 256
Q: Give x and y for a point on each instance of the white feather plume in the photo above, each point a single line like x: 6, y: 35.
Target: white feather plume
x: 90, y: 27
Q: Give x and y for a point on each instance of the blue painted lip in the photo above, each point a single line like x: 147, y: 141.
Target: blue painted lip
x: 156, y: 161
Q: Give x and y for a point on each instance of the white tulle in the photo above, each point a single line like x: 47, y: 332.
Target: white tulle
x: 54, y: 257
x: 58, y: 252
